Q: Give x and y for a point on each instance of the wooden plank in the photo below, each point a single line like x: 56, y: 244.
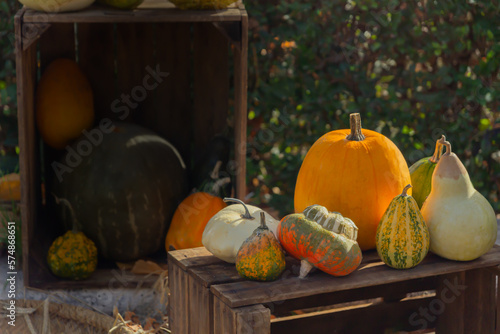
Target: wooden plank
x: 96, y: 59
x: 179, y: 299
x: 211, y: 85
x: 240, y: 108
x: 465, y: 303
x: 32, y: 33
x: 192, y: 257
x: 371, y: 274
x: 216, y: 274
x: 253, y: 319
x: 159, y: 12
x: 200, y: 308
x: 26, y: 69
x: 366, y: 318
x: 135, y: 62
x: 168, y: 108
x: 346, y: 296
x: 244, y: 320
x: 64, y: 34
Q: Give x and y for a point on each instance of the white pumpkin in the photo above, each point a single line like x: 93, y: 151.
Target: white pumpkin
x: 56, y: 6
x: 230, y: 227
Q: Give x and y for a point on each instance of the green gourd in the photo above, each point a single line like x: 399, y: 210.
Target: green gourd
x: 421, y: 174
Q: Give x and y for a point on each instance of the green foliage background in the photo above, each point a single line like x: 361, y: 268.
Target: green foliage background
x: 414, y: 70
x: 8, y: 102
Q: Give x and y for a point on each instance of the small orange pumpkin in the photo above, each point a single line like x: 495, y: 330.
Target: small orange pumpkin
x: 10, y: 187
x: 356, y: 172
x: 190, y: 219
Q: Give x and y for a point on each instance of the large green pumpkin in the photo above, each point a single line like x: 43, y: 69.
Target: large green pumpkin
x: 124, y: 191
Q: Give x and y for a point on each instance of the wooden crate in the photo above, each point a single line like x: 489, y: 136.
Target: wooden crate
x: 201, y: 50
x: 208, y: 296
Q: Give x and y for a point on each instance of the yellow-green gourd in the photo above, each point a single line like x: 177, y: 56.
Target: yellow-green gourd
x: 261, y: 257
x: 72, y: 255
x: 402, y: 236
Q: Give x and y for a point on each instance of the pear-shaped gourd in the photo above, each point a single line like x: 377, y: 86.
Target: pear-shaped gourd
x: 402, y: 235
x: 461, y: 222
x: 261, y: 257
x: 421, y: 175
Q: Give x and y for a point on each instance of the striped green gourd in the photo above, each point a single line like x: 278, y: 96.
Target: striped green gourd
x: 421, y: 175
x: 402, y: 238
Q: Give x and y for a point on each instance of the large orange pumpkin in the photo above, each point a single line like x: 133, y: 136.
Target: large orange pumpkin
x: 190, y: 219
x: 356, y: 172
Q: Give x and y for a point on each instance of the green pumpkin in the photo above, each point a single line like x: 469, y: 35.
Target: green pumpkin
x: 72, y: 255
x: 261, y: 257
x: 402, y: 237
x: 125, y: 191
x: 421, y: 175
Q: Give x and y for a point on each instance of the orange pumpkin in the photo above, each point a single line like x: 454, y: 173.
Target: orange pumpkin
x: 10, y: 187
x: 357, y: 172
x: 190, y: 219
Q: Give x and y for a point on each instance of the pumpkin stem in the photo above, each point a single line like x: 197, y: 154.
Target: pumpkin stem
x: 355, y: 122
x: 247, y: 214
x: 446, y: 144
x: 438, y: 152
x: 305, y: 268
x: 263, y: 225
x: 404, y: 194
x: 76, y: 224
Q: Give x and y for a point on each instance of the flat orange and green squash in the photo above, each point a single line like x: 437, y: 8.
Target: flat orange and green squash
x: 321, y: 239
x: 402, y: 236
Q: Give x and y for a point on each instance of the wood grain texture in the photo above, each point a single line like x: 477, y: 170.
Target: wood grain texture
x: 96, y: 57
x: 201, y: 312
x: 368, y: 274
x: 64, y: 34
x: 168, y: 109
x: 216, y: 274
x: 28, y: 144
x: 192, y: 257
x: 210, y: 86
x: 178, y: 283
x: 149, y: 11
x: 244, y: 320
x: 365, y: 318
x: 466, y: 303
x: 240, y: 107
x: 134, y: 56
